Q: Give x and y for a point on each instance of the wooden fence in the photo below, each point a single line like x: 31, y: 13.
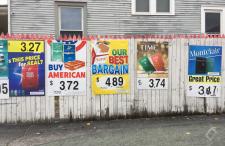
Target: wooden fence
x: 141, y: 103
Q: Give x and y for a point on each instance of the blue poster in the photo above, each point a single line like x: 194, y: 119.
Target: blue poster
x: 26, y: 68
x: 204, y: 71
x: 205, y: 60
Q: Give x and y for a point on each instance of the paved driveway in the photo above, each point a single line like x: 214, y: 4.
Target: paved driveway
x: 169, y: 131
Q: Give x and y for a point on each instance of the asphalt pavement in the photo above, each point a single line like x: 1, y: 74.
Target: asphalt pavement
x: 163, y: 131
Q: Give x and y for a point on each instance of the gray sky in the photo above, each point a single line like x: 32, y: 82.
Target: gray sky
x: 2, y: 2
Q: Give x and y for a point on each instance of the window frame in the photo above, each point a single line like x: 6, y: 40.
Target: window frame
x: 152, y: 8
x: 59, y: 19
x: 70, y: 3
x: 211, y: 9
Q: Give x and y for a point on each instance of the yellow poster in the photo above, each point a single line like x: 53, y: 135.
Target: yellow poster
x: 110, y: 67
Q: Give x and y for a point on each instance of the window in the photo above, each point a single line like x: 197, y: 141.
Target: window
x: 142, y: 6
x: 212, y: 20
x: 153, y: 7
x: 212, y: 23
x: 163, y: 6
x: 3, y: 19
x: 70, y: 21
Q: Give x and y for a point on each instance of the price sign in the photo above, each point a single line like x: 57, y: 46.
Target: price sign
x: 68, y: 85
x: 112, y: 82
x: 204, y: 71
x: 26, y: 64
x: 65, y: 87
x: 110, y: 69
x: 26, y: 46
x: 204, y: 90
x: 66, y: 70
x: 152, y: 64
x: 152, y: 83
x: 4, y: 89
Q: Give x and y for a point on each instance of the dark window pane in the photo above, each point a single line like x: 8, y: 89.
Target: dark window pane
x: 71, y: 33
x: 3, y: 20
x: 71, y: 18
x: 142, y: 5
x: 162, y: 5
x: 212, y: 23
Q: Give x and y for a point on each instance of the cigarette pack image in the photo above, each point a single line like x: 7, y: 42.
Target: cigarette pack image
x: 210, y: 65
x: 57, y: 52
x: 157, y: 62
x: 30, y: 77
x: 2, y: 59
x: 146, y: 64
x: 201, y: 65
x: 74, y: 65
x: 69, y: 53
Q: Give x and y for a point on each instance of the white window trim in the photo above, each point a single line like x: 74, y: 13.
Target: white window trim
x: 9, y: 16
x: 205, y: 9
x: 82, y: 19
x: 152, y: 8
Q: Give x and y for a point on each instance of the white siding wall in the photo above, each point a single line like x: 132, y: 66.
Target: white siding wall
x: 32, y: 16
x: 109, y: 17
x: 115, y: 17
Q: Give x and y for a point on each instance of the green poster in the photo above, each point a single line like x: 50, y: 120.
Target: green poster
x: 3, y: 58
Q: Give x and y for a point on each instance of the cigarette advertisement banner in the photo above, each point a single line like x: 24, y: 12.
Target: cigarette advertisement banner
x: 66, y: 71
x: 26, y: 62
x: 152, y: 65
x: 204, y: 71
x: 110, y: 69
x: 4, y: 81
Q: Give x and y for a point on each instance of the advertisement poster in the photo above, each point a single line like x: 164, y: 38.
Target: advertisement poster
x: 4, y: 81
x: 66, y: 68
x: 204, y: 71
x: 152, y: 65
x: 110, y: 69
x: 26, y: 62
